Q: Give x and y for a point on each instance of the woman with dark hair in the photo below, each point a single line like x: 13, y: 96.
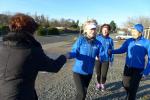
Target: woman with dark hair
x: 21, y: 57
x: 102, y: 67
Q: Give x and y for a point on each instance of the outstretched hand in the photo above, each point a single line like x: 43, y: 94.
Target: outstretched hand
x: 67, y: 55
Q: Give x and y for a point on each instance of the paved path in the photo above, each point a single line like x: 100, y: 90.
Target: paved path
x: 54, y: 45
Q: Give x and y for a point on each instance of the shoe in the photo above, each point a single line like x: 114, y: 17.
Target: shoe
x: 102, y: 87
x: 98, y: 86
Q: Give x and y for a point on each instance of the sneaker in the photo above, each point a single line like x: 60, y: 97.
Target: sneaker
x: 102, y: 87
x: 98, y: 86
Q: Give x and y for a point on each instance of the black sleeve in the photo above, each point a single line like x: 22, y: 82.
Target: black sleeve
x: 44, y: 63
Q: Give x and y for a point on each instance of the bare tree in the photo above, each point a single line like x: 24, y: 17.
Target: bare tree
x: 141, y: 19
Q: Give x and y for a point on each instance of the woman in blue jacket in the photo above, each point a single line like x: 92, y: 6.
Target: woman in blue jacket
x: 84, y: 50
x: 102, y: 68
x: 136, y: 49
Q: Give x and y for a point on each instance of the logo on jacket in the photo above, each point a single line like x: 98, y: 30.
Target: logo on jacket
x: 95, y: 47
x: 138, y: 44
x: 107, y: 43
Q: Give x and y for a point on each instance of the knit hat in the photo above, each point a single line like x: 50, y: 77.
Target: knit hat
x: 139, y: 27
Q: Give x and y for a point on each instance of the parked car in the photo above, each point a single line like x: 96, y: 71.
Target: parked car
x: 123, y: 36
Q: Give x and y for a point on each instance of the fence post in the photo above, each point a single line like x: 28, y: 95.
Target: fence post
x: 147, y: 33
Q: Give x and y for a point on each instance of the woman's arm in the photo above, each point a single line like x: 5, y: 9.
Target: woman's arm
x: 147, y: 69
x: 75, y: 49
x: 111, y: 59
x: 45, y: 63
x: 122, y: 49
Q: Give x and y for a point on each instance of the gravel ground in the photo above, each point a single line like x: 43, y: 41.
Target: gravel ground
x: 60, y: 86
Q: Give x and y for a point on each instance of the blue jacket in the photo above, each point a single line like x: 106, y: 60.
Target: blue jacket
x: 84, y: 53
x: 107, y: 44
x: 136, y: 50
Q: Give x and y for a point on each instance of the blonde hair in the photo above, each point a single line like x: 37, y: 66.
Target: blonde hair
x: 92, y: 21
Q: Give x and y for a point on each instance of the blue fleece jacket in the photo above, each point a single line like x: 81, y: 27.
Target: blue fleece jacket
x: 107, y: 44
x: 136, y: 51
x: 84, y: 52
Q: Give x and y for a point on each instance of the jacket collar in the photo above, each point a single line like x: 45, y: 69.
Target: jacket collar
x: 104, y: 36
x: 139, y: 38
x: 90, y: 40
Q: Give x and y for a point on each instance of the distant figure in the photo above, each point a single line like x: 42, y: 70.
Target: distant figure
x: 102, y: 68
x: 136, y: 49
x: 21, y: 57
x: 84, y: 50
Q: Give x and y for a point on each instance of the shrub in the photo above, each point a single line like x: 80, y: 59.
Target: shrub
x: 4, y: 30
x: 53, y: 31
x: 72, y: 30
x: 61, y: 31
x: 42, y: 31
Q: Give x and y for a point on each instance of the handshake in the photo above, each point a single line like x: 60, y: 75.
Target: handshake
x: 67, y: 55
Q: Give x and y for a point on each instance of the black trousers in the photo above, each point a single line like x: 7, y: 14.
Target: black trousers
x: 82, y: 83
x: 131, y: 80
x: 101, y: 71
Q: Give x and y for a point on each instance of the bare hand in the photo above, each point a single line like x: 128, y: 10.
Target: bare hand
x: 67, y: 55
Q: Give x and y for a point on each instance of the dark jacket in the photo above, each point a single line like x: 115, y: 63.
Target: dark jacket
x: 20, y: 61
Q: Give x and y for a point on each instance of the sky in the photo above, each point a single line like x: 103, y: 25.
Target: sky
x: 104, y: 11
